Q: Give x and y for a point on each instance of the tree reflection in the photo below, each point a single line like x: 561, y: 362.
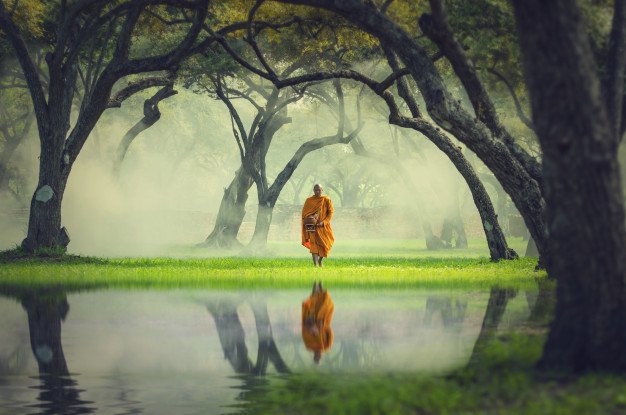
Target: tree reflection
x: 541, y: 303
x: 496, y: 306
x: 267, y: 346
x: 452, y: 311
x: 46, y: 309
x: 233, y: 339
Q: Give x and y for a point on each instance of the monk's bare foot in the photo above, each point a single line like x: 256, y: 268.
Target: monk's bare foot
x: 319, y: 261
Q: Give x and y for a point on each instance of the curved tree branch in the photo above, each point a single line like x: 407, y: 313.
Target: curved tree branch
x: 437, y: 28
x: 518, y: 105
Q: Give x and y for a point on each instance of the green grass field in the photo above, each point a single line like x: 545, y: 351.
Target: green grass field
x: 272, y: 273
x: 375, y: 264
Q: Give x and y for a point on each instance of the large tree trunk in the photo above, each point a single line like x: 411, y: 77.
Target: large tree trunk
x: 585, y: 211
x: 501, y: 204
x: 44, y: 223
x: 231, y: 213
x: 262, y: 226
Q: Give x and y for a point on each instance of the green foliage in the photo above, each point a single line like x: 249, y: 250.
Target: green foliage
x: 28, y: 15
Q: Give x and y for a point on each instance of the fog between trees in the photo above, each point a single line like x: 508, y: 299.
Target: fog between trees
x: 172, y: 179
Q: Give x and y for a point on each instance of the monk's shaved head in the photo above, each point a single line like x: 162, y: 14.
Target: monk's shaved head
x: 317, y: 189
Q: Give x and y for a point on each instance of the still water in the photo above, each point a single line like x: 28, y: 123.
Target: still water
x: 164, y: 352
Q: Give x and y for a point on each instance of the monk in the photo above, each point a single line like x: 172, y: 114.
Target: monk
x: 317, y: 311
x: 317, y: 235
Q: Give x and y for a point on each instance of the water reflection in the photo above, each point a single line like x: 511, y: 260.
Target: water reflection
x: 541, y: 302
x: 60, y: 395
x: 46, y: 310
x: 233, y: 338
x: 144, y: 351
x: 317, y: 312
x: 498, y: 300
x: 451, y: 310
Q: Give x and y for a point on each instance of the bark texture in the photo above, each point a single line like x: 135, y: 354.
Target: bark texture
x: 231, y: 212
x: 585, y: 212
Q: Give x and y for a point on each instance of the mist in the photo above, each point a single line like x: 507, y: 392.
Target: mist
x: 168, y: 191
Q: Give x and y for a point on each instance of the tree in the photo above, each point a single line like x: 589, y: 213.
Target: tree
x: 578, y: 116
x: 483, y: 133
x: 516, y: 162
x: 97, y: 36
x: 268, y: 193
x: 253, y: 144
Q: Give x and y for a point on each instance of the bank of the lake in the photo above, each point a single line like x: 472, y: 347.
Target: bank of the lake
x: 504, y: 381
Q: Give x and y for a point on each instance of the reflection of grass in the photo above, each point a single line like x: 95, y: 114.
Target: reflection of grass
x: 503, y: 382
x: 237, y: 272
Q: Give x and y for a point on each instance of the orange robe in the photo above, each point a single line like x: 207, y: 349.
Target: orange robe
x: 320, y: 241
x: 317, y: 311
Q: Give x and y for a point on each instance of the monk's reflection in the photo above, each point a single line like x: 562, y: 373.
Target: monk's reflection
x: 317, y: 311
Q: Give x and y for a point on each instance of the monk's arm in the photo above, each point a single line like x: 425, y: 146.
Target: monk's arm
x: 330, y: 211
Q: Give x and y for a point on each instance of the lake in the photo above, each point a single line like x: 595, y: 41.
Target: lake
x: 202, y: 351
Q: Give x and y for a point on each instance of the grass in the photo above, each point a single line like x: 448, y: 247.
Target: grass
x: 235, y: 272
x: 503, y: 382
x: 363, y: 263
